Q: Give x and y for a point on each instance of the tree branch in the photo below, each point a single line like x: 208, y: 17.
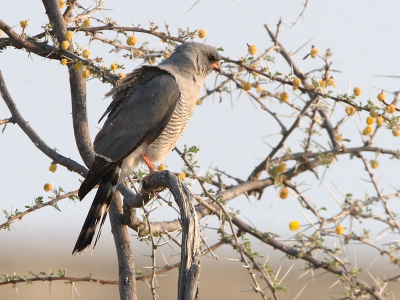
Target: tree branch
x: 32, y: 135
x: 19, y: 216
x: 189, y: 271
x: 127, y: 286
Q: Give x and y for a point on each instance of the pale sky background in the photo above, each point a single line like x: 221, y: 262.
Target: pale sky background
x: 363, y: 36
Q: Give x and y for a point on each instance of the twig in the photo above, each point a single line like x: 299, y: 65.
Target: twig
x: 35, y: 208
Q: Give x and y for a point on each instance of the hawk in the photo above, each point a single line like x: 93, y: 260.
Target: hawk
x: 149, y: 113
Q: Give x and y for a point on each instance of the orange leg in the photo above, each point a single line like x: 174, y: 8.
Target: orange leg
x: 152, y: 168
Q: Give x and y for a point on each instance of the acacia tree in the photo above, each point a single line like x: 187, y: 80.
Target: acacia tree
x: 308, y: 142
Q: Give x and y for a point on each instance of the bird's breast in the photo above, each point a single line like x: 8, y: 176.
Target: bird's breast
x: 167, y: 140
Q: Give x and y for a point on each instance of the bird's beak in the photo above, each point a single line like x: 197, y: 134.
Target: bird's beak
x: 215, y: 66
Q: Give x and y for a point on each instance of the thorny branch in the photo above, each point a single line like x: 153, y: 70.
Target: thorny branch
x: 214, y: 204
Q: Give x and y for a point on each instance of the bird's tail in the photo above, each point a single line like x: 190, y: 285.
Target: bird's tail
x: 98, y: 210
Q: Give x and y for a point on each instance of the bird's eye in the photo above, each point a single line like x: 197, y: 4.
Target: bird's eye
x: 210, y: 57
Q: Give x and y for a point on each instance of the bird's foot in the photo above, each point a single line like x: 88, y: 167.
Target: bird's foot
x: 146, y: 181
x: 152, y: 170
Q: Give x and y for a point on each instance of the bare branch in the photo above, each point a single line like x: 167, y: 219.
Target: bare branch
x: 36, y: 140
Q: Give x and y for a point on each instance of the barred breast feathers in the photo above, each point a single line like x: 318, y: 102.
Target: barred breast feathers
x: 172, y: 132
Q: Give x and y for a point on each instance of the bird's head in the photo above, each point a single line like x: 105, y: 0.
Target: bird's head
x: 203, y: 58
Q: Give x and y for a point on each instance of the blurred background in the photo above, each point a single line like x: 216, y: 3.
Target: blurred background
x: 231, y: 132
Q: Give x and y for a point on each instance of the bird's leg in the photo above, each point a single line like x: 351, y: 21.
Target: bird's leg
x: 152, y: 169
x: 149, y: 164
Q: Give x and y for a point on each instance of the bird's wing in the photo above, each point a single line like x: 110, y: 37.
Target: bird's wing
x: 139, y: 113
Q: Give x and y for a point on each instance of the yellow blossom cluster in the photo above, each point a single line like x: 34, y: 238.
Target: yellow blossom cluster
x: 314, y: 52
x: 296, y: 83
x: 48, y: 187
x: 53, y: 168
x: 284, y: 96
x: 182, y: 176
x: 281, y: 168
x: 294, y: 225
x: 339, y: 229
x: 357, y: 91
x: 374, y: 164
x: 350, y: 110
x: 252, y: 49
x: 202, y: 33
x: 324, y: 83
x: 131, y: 40
x: 161, y: 167
x: 86, y: 23
x: 246, y: 86
x: 284, y: 193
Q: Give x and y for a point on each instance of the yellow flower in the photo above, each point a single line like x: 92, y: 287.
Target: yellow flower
x: 78, y: 65
x: 65, y: 45
x: 86, y: 53
x: 370, y: 120
x: 162, y: 167
x: 86, y: 74
x: 281, y: 167
x: 131, y: 40
x: 379, y: 121
x: 314, y: 52
x: 373, y: 113
x: 152, y: 60
x: 259, y: 89
x: 47, y: 187
x: 339, y: 137
x: 296, y: 83
x: 60, y: 4
x: 396, y: 132
x: 24, y: 23
x: 121, y: 75
x: 381, y: 96
x: 391, y: 108
x: 368, y: 130
x: 284, y: 96
x: 339, y: 230
x: 182, y: 176
x: 113, y: 66
x: 374, y: 164
x: 103, y: 67
x: 86, y: 23
x: 166, y: 55
x: 284, y: 193
x: 357, y: 91
x: 294, y: 225
x: 199, y: 102
x: 202, y: 33
x: 252, y: 49
x: 350, y: 110
x: 246, y: 86
x: 53, y: 168
x: 331, y: 82
x: 68, y: 35
x: 322, y: 83
x: 63, y: 61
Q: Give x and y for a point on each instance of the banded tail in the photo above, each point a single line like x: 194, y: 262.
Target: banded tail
x: 98, y: 210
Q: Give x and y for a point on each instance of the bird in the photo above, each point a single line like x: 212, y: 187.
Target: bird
x: 150, y: 110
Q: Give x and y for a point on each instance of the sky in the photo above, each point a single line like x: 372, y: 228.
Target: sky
x: 233, y: 134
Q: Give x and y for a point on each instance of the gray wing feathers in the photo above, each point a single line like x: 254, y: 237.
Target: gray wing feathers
x: 142, y: 115
x: 137, y: 117
x: 129, y: 85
